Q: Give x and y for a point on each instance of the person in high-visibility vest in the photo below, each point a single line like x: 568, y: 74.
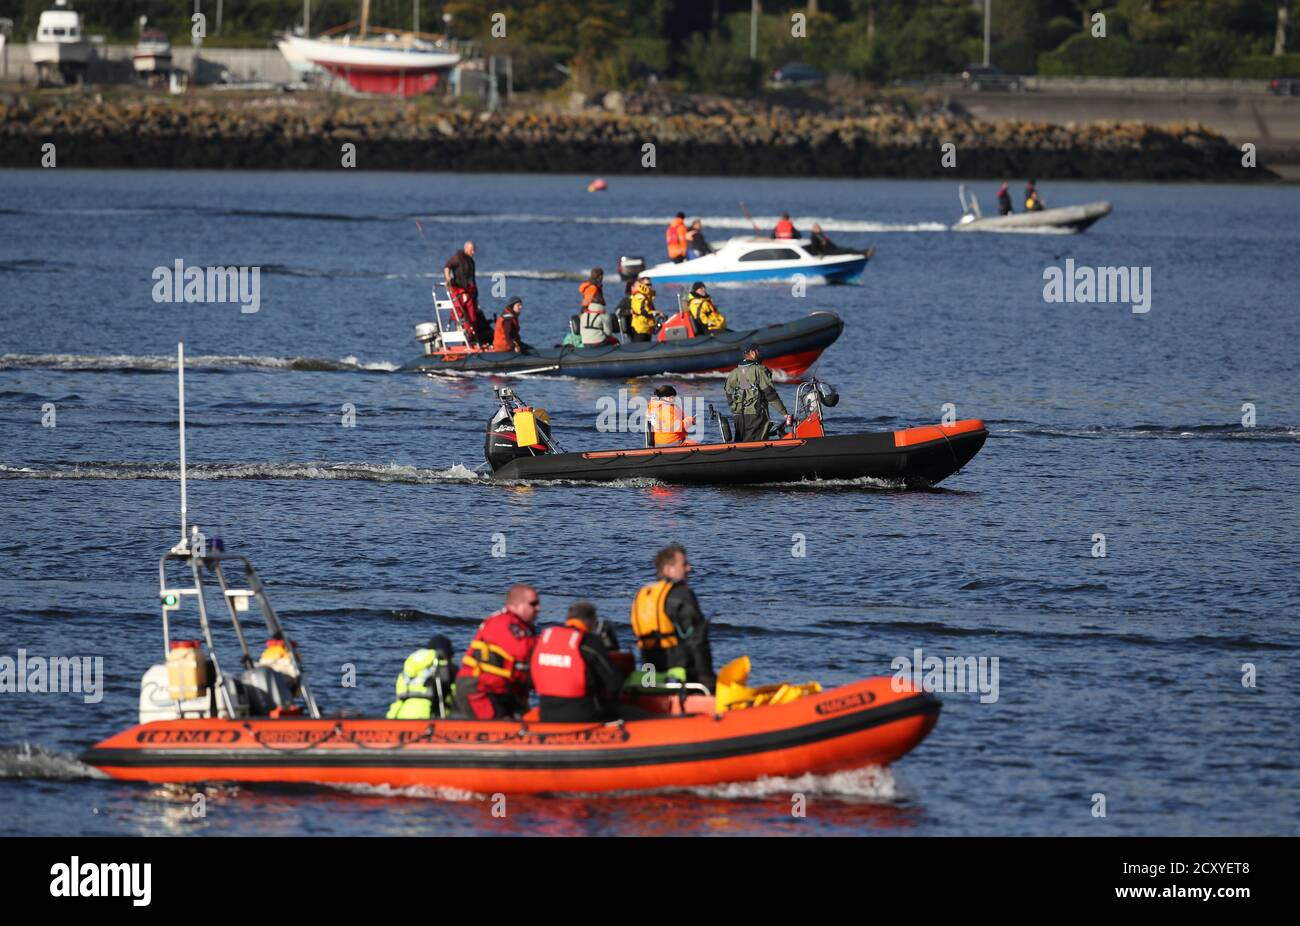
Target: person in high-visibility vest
x: 672, y: 633
x: 676, y: 236
x: 426, y: 683
x: 493, y: 680
x: 785, y: 228
x: 644, y: 320
x: 703, y: 310
x: 665, y: 419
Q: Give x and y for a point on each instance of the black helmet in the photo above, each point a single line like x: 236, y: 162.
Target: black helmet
x: 440, y: 645
x: 751, y: 347
x: 514, y: 303
x: 665, y: 392
x: 697, y: 286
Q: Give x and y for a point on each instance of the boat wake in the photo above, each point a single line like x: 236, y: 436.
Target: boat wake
x: 343, y: 472
x: 150, y: 363
x: 1287, y: 433
x: 484, y: 218
x: 870, y: 784
x: 874, y: 785
x: 28, y: 761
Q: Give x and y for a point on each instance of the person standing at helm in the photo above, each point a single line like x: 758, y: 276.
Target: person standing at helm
x: 665, y: 419
x: 750, y: 391
x: 1004, y: 200
x: 461, y: 277
x: 676, y: 236
x: 593, y: 287
x: 426, y: 682
x: 672, y: 633
x: 644, y: 321
x: 703, y: 310
x: 493, y: 681
x: 506, y: 336
x: 572, y: 673
x: 785, y: 228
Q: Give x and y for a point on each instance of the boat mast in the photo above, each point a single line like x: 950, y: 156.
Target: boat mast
x: 365, y: 17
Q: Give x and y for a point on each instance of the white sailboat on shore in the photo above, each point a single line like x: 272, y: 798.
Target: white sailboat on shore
x: 393, y: 62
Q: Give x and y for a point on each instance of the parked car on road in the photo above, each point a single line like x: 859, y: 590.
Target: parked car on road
x: 1285, y: 86
x: 987, y: 77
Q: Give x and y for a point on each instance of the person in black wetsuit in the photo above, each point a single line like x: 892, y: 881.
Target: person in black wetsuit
x: 1004, y: 200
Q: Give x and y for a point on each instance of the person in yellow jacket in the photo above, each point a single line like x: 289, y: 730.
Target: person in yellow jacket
x: 703, y: 310
x: 672, y: 634
x: 644, y: 319
x: 426, y: 683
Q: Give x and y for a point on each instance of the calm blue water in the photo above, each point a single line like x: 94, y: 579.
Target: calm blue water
x: 1119, y: 675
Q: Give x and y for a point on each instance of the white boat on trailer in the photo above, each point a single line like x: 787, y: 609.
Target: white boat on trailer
x: 1064, y: 220
x: 59, y: 47
x: 749, y: 259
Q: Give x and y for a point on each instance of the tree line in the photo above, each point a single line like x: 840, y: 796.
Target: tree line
x: 705, y: 45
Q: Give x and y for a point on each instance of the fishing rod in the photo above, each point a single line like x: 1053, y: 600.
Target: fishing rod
x: 751, y: 219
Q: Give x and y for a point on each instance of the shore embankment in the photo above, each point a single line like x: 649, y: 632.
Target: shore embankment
x: 624, y: 136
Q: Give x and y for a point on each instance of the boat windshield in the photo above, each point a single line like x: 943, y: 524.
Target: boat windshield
x: 771, y: 254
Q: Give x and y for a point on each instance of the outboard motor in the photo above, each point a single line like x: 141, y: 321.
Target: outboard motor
x: 629, y: 268
x: 516, y: 431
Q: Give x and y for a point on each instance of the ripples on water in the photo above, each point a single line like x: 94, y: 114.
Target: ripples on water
x: 1119, y: 675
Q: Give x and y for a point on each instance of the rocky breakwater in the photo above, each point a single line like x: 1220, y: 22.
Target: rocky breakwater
x: 711, y: 137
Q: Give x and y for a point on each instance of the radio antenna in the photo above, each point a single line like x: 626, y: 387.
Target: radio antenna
x: 183, y: 546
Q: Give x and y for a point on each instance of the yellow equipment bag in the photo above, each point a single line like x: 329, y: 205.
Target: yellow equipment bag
x: 733, y: 694
x: 526, y: 425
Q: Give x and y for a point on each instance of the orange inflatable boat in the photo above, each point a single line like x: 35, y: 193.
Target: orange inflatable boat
x: 860, y: 724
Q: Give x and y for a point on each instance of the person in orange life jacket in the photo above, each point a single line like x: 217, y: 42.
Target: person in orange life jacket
x: 1004, y: 200
x: 785, y: 228
x: 665, y: 421
x: 461, y: 278
x: 676, y: 238
x: 506, y: 336
x: 575, y: 680
x: 672, y: 633
x: 493, y: 681
x: 593, y: 287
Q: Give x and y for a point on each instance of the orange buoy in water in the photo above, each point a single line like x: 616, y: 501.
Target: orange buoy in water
x: 596, y: 186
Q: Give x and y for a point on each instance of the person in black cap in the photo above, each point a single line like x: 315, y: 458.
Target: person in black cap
x: 571, y: 669
x: 703, y: 311
x: 750, y: 391
x: 424, y: 687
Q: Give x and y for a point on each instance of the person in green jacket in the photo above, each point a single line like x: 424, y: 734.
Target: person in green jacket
x: 426, y: 683
x: 750, y: 391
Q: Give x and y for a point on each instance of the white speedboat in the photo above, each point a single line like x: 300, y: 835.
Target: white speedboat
x: 1062, y: 221
x: 59, y: 46
x: 152, y: 54
x: 747, y: 259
